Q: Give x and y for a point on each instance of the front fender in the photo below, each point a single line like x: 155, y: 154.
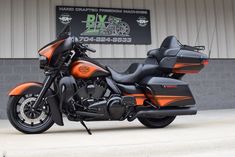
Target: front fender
x: 35, y: 88
x: 24, y: 88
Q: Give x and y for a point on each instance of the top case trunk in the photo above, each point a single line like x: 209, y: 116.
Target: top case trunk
x: 185, y: 61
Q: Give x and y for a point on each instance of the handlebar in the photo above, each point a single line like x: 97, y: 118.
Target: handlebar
x: 81, y: 46
x: 88, y: 48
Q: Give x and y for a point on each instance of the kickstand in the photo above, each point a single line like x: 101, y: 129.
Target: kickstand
x: 88, y: 130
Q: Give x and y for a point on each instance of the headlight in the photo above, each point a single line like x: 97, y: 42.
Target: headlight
x: 43, y: 61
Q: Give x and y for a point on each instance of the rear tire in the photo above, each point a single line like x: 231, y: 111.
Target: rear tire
x: 160, y: 122
x: 22, y: 117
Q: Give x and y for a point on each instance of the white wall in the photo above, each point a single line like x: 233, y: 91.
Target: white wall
x: 27, y: 25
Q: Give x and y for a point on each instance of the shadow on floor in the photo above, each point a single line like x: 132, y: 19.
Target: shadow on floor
x: 171, y: 127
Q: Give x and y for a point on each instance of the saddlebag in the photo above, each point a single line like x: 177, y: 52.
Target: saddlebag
x: 165, y: 92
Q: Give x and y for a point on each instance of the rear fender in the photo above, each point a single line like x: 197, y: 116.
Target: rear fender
x: 35, y: 88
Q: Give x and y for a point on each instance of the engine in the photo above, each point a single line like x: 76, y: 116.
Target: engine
x: 91, y: 89
x: 82, y: 92
x: 91, y: 99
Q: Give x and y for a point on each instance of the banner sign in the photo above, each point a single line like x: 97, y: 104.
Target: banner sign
x: 106, y: 25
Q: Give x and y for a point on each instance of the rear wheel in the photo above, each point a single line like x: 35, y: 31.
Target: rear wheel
x: 160, y: 122
x: 27, y: 119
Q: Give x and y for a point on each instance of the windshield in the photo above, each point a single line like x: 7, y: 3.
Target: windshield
x: 65, y: 32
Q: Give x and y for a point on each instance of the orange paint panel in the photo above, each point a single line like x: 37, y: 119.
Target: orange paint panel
x: 140, y: 100
x: 135, y: 95
x: 164, y: 100
x: 178, y: 68
x: 20, y: 88
x: 84, y: 69
x: 49, y: 50
x: 138, y: 97
x: 182, y: 65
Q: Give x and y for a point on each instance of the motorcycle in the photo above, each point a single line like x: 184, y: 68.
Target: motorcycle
x: 83, y: 90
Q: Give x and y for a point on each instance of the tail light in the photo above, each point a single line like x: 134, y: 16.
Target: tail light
x: 205, y: 62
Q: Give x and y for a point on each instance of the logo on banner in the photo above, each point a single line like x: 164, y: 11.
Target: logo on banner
x: 65, y: 18
x: 104, y: 25
x: 142, y: 21
x: 94, y: 25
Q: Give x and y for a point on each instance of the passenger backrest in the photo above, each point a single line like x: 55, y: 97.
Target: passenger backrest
x: 170, y: 42
x: 169, y: 47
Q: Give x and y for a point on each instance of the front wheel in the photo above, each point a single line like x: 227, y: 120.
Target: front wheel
x: 27, y: 119
x: 160, y: 122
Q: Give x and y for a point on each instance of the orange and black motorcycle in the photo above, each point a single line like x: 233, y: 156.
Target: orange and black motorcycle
x: 83, y: 90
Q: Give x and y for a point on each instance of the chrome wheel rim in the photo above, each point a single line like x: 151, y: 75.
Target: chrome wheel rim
x: 30, y: 117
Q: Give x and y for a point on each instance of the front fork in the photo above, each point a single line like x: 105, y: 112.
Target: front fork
x: 46, y: 84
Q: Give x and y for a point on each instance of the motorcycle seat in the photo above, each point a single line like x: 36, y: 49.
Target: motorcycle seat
x: 134, y: 73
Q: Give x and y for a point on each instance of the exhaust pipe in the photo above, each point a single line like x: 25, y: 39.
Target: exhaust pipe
x: 89, y: 114
x: 164, y: 112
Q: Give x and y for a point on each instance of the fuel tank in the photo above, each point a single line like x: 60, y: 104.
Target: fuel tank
x: 87, y: 69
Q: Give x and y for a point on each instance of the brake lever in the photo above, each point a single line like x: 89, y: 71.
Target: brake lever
x: 89, y: 49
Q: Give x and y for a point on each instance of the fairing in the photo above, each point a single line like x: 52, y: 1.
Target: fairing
x: 54, y: 50
x: 49, y: 50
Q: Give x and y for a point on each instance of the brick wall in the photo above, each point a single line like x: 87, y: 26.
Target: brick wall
x: 213, y: 87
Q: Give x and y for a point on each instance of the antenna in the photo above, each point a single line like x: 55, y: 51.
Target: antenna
x: 213, y: 34
x: 198, y: 32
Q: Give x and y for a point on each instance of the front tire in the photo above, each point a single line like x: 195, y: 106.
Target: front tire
x: 26, y: 119
x: 160, y: 122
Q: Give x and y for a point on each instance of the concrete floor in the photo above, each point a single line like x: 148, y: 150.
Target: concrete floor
x: 209, y: 134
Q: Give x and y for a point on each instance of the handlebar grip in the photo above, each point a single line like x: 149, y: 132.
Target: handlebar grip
x: 90, y: 49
